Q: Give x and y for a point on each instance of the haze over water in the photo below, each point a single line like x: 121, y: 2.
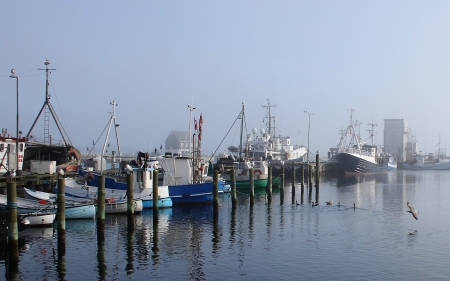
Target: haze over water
x: 378, y: 240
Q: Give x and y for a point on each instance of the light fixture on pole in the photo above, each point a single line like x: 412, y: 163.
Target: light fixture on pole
x: 13, y: 75
x: 309, y: 126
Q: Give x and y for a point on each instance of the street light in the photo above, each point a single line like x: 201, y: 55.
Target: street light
x: 13, y: 75
x: 309, y: 125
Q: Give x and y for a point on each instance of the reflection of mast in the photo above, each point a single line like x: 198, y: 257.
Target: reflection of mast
x: 271, y: 119
x: 48, y: 106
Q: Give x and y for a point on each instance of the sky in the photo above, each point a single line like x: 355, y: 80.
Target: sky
x: 384, y: 59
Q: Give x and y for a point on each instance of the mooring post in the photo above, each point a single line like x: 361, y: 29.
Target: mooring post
x: 310, y: 175
x: 293, y: 184
x: 130, y: 202
x: 233, y: 188
x: 155, y: 198
x: 216, y: 190
x: 282, y: 185
x: 302, y: 192
x: 155, y: 193
x: 61, y: 216
x: 269, y: 186
x: 13, y: 229
x: 252, y: 186
x: 317, y: 168
x: 101, y: 209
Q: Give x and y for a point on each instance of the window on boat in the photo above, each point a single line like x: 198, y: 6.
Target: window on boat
x: 2, y: 147
x: 21, y: 147
x: 257, y: 164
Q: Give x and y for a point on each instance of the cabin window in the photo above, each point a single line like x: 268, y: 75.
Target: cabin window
x: 2, y: 147
x: 21, y: 147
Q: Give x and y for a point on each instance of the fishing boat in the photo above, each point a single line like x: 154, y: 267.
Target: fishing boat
x: 186, y: 176
x: 242, y: 164
x: 270, y: 146
x: 8, y: 157
x: 426, y: 162
x: 116, y: 178
x: 355, y: 156
x: 75, y: 209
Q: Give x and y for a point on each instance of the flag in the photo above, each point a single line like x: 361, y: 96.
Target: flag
x: 195, y: 124
x: 200, y: 122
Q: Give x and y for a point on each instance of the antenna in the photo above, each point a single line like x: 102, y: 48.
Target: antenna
x: 371, y: 131
x: 48, y: 106
x: 271, y: 119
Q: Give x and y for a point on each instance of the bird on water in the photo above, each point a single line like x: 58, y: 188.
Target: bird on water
x: 329, y: 202
x: 413, y: 211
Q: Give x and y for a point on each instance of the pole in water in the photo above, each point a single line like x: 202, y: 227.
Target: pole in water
x: 61, y: 216
x: 233, y: 188
x: 317, y: 168
x: 302, y: 167
x: 269, y: 186
x: 293, y: 184
x: 130, y: 202
x: 282, y: 185
x: 13, y: 230
x: 216, y: 190
x: 155, y: 193
x: 252, y: 187
x: 101, y: 209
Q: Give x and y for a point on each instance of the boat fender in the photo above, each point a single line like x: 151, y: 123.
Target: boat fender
x: 257, y: 172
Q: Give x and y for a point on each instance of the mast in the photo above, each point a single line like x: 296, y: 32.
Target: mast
x: 268, y: 116
x: 242, y: 128
x: 48, y: 106
x: 111, y: 120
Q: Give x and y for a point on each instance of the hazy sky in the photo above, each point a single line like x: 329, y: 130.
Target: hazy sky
x: 385, y: 59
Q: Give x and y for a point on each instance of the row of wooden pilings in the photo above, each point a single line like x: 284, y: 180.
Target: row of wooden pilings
x: 60, y: 221
x: 12, y: 214
x: 269, y: 184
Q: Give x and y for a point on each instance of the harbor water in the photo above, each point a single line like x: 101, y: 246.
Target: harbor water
x: 368, y: 235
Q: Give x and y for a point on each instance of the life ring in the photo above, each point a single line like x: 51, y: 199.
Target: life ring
x: 257, y: 172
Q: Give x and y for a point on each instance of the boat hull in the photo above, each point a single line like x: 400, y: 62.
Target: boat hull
x: 256, y: 183
x: 352, y: 163
x: 40, y: 219
x: 199, y: 193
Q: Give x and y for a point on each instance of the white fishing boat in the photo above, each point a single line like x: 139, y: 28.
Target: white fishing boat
x: 116, y: 178
x: 270, y: 146
x: 426, y: 162
x: 8, y: 156
x: 356, y: 156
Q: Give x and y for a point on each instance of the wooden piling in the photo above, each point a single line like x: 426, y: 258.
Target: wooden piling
x: 282, y: 185
x: 155, y: 193
x: 252, y: 187
x: 61, y: 216
x: 309, y: 175
x: 302, y: 191
x: 130, y: 203
x: 317, y: 169
x: 13, y: 230
x: 233, y: 188
x: 293, y: 184
x: 101, y: 209
x: 216, y: 190
x: 269, y: 186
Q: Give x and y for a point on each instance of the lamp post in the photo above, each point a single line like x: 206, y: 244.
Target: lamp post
x: 309, y: 125
x: 13, y: 75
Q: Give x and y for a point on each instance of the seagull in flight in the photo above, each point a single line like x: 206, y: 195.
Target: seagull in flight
x: 413, y: 211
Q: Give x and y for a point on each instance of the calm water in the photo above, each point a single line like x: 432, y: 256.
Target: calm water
x: 378, y: 240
